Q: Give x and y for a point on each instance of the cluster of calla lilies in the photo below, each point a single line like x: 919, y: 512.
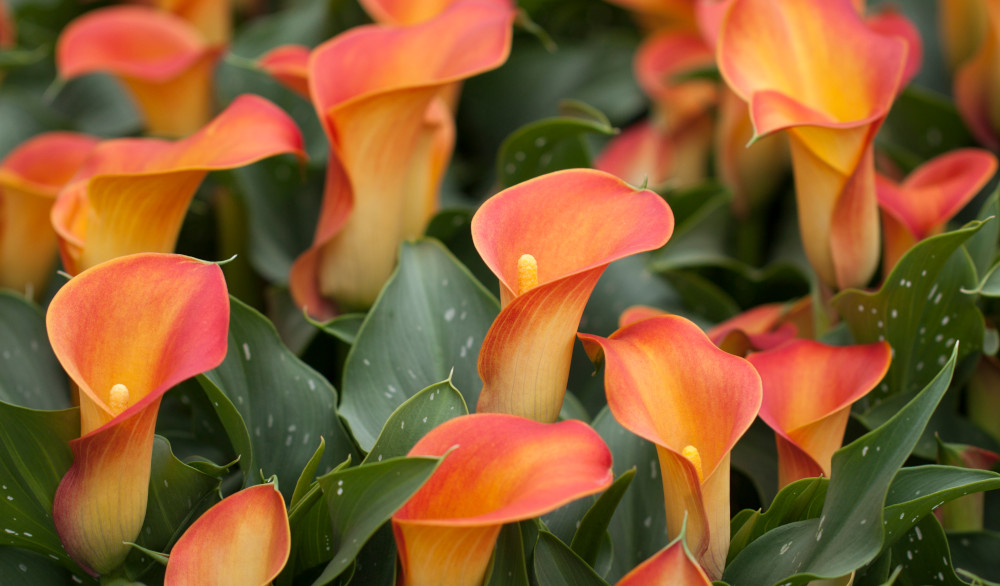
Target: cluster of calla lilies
x: 805, y: 85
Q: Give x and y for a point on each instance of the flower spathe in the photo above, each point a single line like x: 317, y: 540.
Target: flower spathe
x: 31, y: 176
x: 391, y: 134
x: 671, y: 565
x: 790, y: 60
x: 572, y: 224
x: 931, y: 195
x: 131, y: 195
x: 164, y: 62
x: 498, y: 469
x: 126, y: 331
x: 975, y: 49
x: 244, y: 540
x: 808, y: 391
x: 668, y: 383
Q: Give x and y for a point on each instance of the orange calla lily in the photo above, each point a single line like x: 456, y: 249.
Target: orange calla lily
x: 498, y: 469
x: 662, y: 14
x: 289, y: 64
x: 976, y: 50
x: 210, y: 17
x: 163, y: 61
x: 675, y: 143
x: 407, y: 12
x: 671, y: 565
x: 668, y: 383
x: 790, y: 60
x: 548, y: 240
x: 808, y: 391
x: 8, y: 34
x: 391, y: 134
x: 931, y: 195
x: 30, y: 177
x: 127, y: 331
x: 132, y: 194
x: 244, y: 540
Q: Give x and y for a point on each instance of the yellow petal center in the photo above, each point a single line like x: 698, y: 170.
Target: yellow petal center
x: 692, y: 455
x: 118, y: 399
x: 527, y: 273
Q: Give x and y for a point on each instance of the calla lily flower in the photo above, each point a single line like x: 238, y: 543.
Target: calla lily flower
x: 808, y: 391
x: 126, y: 331
x: 498, y: 469
x: 408, y: 12
x: 964, y: 513
x: 983, y: 396
x: 671, y: 565
x: 549, y: 240
x: 668, y: 383
x: 660, y: 15
x: 790, y: 60
x: 391, y: 134
x: 244, y: 540
x: 289, y: 64
x: 929, y: 197
x: 674, y: 144
x: 31, y: 176
x: 131, y: 195
x: 976, y: 49
x: 760, y: 328
x: 163, y: 61
x: 210, y: 17
x: 8, y: 34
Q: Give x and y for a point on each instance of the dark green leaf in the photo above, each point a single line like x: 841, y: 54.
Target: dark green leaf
x: 982, y: 246
x: 285, y: 405
x: 20, y: 567
x: 849, y: 533
x: 798, y: 501
x: 594, y: 525
x: 550, y: 145
x: 423, y: 412
x: 556, y: 564
x: 30, y: 375
x: 344, y: 327
x: 916, y: 491
x: 426, y: 327
x: 638, y: 527
x: 923, y: 554
x: 306, y: 478
x: 361, y: 499
x: 509, y: 567
x: 178, y: 494
x: 921, y: 125
x: 34, y: 456
x: 376, y: 564
x: 919, y: 311
x: 975, y: 552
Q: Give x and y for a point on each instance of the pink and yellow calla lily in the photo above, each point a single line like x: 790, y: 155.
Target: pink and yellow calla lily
x: 127, y: 331
x: 972, y: 37
x: 211, y: 18
x: 496, y: 469
x: 790, y: 60
x: 8, y: 34
x: 164, y: 62
x: 672, y: 565
x: 668, y: 383
x: 289, y: 65
x: 391, y: 134
x: 31, y: 176
x: 244, y: 540
x: 923, y: 203
x: 131, y: 195
x: 408, y: 12
x: 808, y: 391
x: 548, y: 240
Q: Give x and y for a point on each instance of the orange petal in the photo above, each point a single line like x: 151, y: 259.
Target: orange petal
x: 211, y: 18
x: 289, y: 64
x: 498, y: 469
x: 668, y: 383
x: 391, y: 135
x: 808, y: 390
x: 164, y: 62
x: 101, y: 501
x: 636, y: 313
x: 407, y: 12
x: 132, y: 194
x: 963, y: 27
x: 243, y: 540
x: 936, y: 190
x: 662, y: 14
x: 975, y: 80
x: 642, y: 153
x: 671, y: 565
x: 30, y: 177
x: 574, y: 223
x: 663, y: 57
x: 8, y: 33
x: 146, y: 321
x: 760, y: 328
x: 790, y: 60
x: 891, y: 23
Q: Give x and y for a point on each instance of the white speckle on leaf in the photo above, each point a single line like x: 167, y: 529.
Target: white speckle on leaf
x: 246, y: 351
x: 449, y: 314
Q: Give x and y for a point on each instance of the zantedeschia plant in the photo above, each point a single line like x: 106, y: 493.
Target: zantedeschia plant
x: 771, y: 225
